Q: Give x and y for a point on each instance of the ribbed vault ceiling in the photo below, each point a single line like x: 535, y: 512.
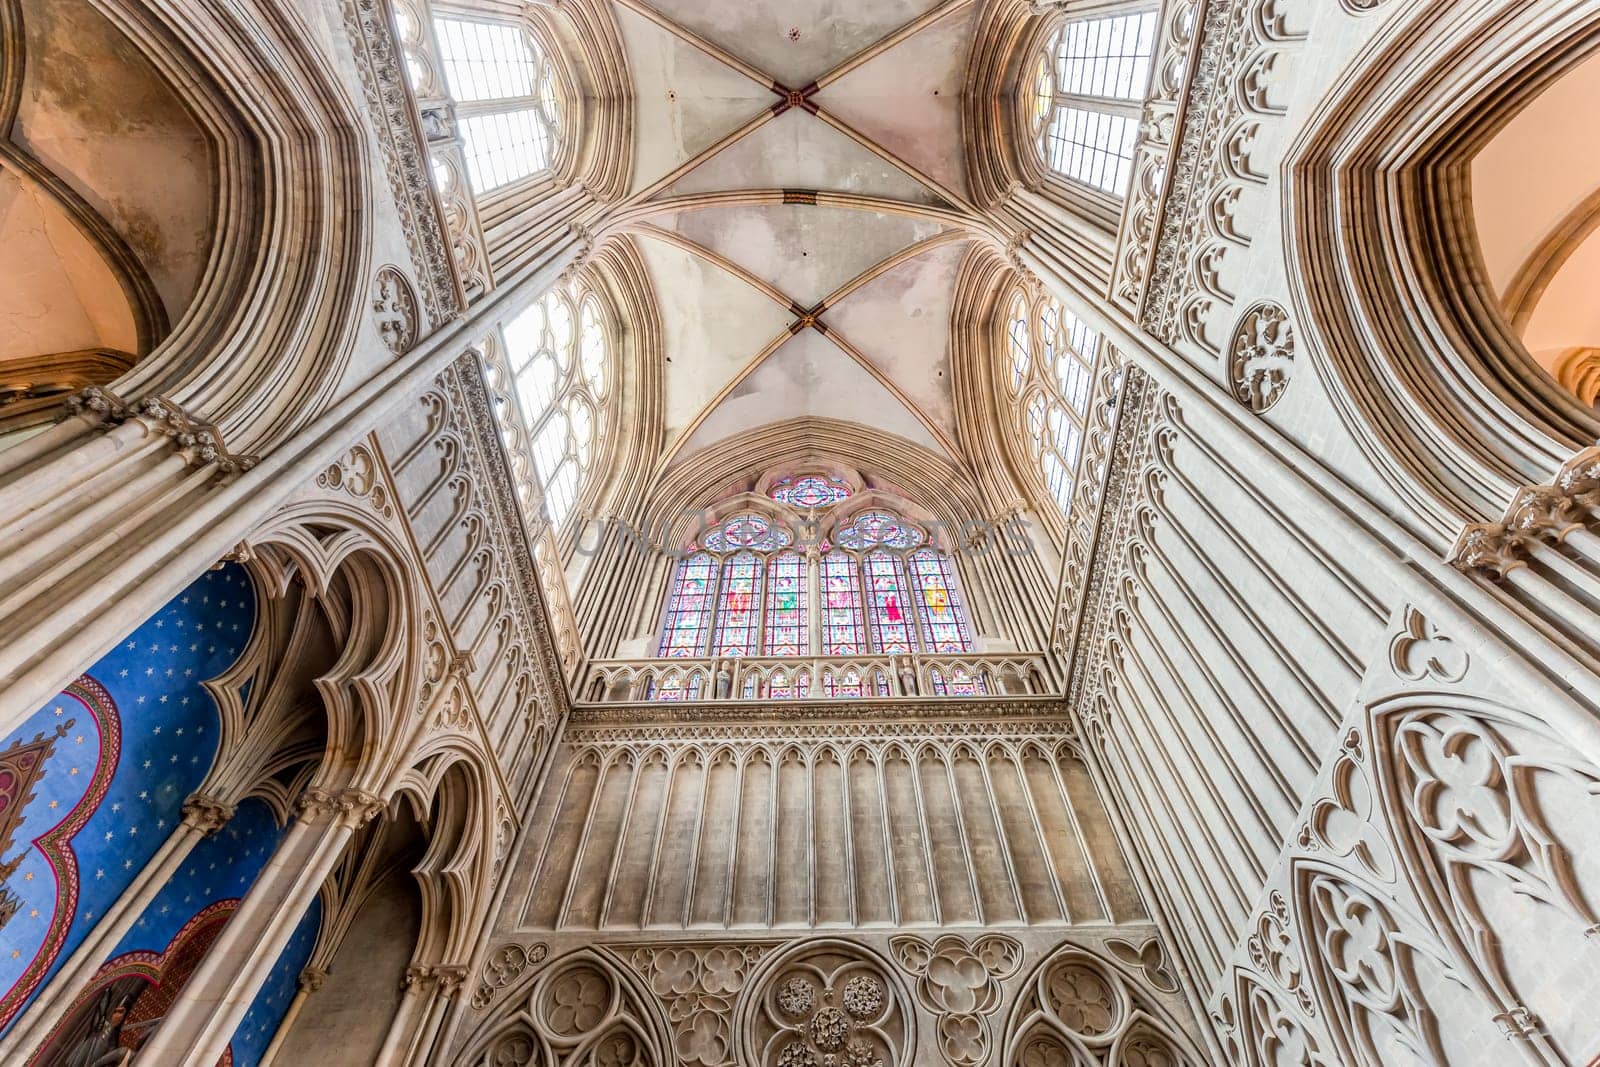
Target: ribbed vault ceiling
x: 740, y: 100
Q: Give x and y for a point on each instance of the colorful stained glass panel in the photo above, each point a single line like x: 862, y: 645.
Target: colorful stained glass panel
x: 944, y: 627
x: 688, y: 617
x: 888, y: 605
x: 738, y: 607
x: 843, y: 628
x: 810, y: 491
x: 786, y: 632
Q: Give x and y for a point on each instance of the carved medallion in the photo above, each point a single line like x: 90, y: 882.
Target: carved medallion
x: 1261, y: 356
x: 394, y: 310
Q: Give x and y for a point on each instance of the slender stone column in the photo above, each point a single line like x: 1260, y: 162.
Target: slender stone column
x: 311, y: 980
x: 429, y: 989
x: 202, y: 816
x: 203, y: 1018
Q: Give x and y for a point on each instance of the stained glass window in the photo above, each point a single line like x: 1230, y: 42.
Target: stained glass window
x: 786, y: 686
x: 560, y: 400
x: 844, y: 631
x: 846, y: 683
x: 872, y: 528
x: 677, y: 685
x: 738, y: 607
x: 688, y: 621
x: 960, y: 682
x: 944, y: 624
x: 887, y: 603
x: 747, y: 531
x: 785, y: 632
x: 810, y: 491
x: 1085, y: 96
x: 746, y: 592
x: 505, y: 95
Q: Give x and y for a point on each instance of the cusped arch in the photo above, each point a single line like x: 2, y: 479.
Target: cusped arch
x: 573, y: 1008
x: 1389, y: 290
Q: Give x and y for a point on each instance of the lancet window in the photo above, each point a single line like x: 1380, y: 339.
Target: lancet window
x: 747, y: 589
x: 557, y: 352
x: 1049, y: 364
x: 507, y: 106
x: 1088, y: 86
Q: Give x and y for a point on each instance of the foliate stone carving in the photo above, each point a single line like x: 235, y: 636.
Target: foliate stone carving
x: 959, y: 982
x: 823, y: 1003
x: 394, y: 310
x: 504, y: 965
x: 698, y: 985
x: 1539, y: 514
x: 205, y: 813
x: 405, y: 158
x: 352, y: 807
x: 311, y: 979
x: 1076, y: 1010
x: 1420, y: 651
x: 442, y: 979
x: 200, y: 440
x: 1217, y: 71
x: 1261, y: 356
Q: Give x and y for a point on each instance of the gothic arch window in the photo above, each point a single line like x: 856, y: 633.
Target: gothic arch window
x: 746, y: 589
x: 507, y: 105
x: 557, y: 352
x: 1087, y: 86
x: 1059, y: 354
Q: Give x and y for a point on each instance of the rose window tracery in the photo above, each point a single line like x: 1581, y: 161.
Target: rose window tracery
x: 824, y: 1006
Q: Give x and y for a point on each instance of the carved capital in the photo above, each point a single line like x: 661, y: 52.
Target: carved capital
x: 351, y: 807
x: 311, y: 979
x: 206, y: 813
x: 445, y: 979
x: 1538, y: 513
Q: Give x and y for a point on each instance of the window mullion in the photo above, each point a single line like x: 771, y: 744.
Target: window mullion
x: 1105, y: 105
